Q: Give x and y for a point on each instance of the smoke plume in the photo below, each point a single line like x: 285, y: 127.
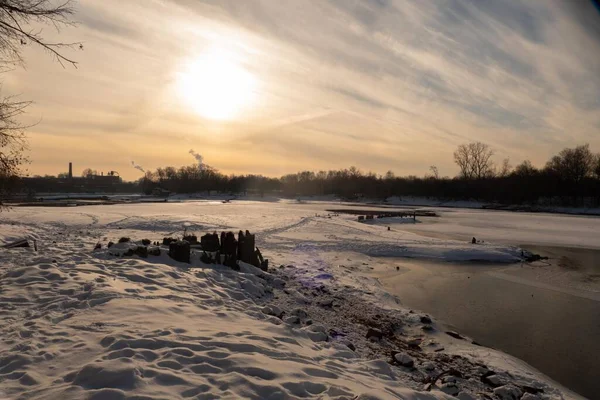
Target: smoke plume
x: 198, y: 158
x: 136, y: 166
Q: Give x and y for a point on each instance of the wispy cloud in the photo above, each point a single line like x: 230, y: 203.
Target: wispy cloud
x: 382, y: 84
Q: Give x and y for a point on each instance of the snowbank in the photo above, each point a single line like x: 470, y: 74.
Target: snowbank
x: 88, y: 325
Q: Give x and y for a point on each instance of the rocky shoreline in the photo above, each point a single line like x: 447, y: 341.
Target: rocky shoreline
x: 409, y: 341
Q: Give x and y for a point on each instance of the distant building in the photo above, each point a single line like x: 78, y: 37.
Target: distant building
x: 108, y: 183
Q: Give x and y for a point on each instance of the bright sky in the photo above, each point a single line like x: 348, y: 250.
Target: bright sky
x: 278, y: 86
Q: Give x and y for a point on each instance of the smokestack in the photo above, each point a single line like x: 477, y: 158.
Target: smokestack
x: 70, y: 170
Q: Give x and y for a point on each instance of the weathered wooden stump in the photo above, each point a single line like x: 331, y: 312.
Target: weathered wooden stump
x: 246, y: 247
x: 210, y: 242
x: 229, y: 248
x: 180, y: 251
x: 263, y: 264
x: 192, y: 239
x: 168, y: 240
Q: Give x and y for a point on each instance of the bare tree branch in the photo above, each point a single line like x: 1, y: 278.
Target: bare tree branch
x: 16, y: 20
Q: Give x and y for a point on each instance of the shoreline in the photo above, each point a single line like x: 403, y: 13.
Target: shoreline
x: 82, y: 200
x: 483, y: 301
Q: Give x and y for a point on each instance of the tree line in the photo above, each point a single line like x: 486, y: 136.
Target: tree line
x: 572, y: 177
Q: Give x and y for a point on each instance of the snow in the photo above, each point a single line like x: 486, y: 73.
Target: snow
x: 90, y: 326
x: 78, y: 323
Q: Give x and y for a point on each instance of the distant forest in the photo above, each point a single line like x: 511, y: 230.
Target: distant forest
x: 570, y: 178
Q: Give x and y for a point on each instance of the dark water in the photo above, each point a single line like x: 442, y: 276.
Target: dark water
x: 557, y: 333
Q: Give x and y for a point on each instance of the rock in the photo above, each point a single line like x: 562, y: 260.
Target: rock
x: 274, y: 320
x: 373, y: 333
x: 508, y: 392
x: 529, y: 396
x: 141, y: 251
x: 426, y: 319
x: 308, y: 322
x: 110, y: 244
x: 427, y: 328
x: 404, y: 360
x: 450, y: 388
x: 448, y: 379
x: 326, y: 302
x: 301, y: 299
x: 278, y: 283
x: 124, y: 240
x: 146, y: 242
x: 317, y: 333
x: 300, y: 313
x: 154, y: 251
x: 455, y: 335
x: 531, y: 389
x: 180, y: 251
x: 414, y: 342
x: 492, y: 380
x: 98, y: 246
x: 292, y: 320
x: 254, y: 289
x: 466, y: 396
x: 272, y: 310
x: 350, y: 346
x: 429, y: 366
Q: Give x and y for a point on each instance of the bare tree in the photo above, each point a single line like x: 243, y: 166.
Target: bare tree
x: 16, y: 31
x: 572, y: 165
x: 434, y: 171
x: 525, y: 169
x: 505, y: 169
x: 474, y: 160
x: 88, y: 172
x: 597, y: 166
x: 16, y: 18
x: 12, y: 138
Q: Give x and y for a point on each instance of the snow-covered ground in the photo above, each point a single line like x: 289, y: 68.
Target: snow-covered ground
x: 78, y: 323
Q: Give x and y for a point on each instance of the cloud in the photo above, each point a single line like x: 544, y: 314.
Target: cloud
x: 407, y: 81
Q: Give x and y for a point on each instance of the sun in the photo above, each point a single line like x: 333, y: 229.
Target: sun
x: 216, y: 85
